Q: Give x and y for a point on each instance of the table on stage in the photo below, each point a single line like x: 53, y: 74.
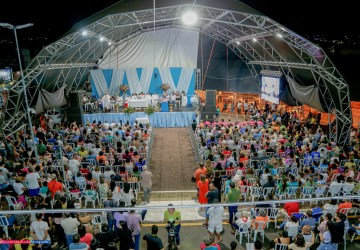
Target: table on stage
x: 165, y: 106
x: 141, y: 103
x: 143, y: 120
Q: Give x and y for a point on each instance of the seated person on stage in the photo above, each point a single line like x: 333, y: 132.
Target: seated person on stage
x: 155, y: 99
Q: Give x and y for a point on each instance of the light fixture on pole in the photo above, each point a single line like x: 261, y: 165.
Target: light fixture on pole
x: 27, y: 109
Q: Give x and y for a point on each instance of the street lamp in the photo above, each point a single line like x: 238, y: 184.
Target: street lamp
x: 27, y: 111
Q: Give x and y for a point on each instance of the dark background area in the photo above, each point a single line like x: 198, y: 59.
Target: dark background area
x: 334, y: 27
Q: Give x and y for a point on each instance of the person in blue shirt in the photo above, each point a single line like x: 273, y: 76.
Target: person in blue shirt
x: 309, y: 220
x: 77, y: 245
x: 316, y: 212
x: 315, y: 153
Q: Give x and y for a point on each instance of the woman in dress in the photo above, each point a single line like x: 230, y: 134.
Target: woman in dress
x: 203, y: 186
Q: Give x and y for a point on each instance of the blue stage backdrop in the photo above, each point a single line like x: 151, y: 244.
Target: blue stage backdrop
x: 142, y: 80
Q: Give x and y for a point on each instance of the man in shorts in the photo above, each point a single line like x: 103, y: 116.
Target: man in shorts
x: 215, y: 220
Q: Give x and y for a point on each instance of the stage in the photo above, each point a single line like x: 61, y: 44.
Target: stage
x: 157, y: 119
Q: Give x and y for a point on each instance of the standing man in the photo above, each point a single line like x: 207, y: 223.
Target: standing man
x: 70, y: 226
x: 246, y: 106
x: 233, y: 196
x: 239, y: 107
x: 215, y: 220
x: 339, y: 229
x: 39, y: 230
x: 133, y: 221
x: 212, y: 195
x: 152, y: 240
x: 146, y: 183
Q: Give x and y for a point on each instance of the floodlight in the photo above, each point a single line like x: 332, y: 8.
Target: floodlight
x: 109, y: 43
x: 237, y: 42
x: 101, y: 39
x: 189, y: 18
x: 279, y: 35
x: 254, y: 40
x: 84, y: 33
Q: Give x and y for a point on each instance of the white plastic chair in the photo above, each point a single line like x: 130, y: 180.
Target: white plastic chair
x: 12, y: 202
x: 347, y: 188
x: 97, y: 221
x: 273, y: 213
x: 306, y: 192
x: 258, y: 227
x: 243, y: 231
x: 266, y: 191
x: 291, y: 192
x: 4, y: 223
x: 255, y: 192
x: 280, y: 246
x: 319, y: 192
x: 335, y: 189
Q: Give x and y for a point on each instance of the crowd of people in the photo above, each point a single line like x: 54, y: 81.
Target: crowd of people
x: 79, y: 165
x: 275, y: 158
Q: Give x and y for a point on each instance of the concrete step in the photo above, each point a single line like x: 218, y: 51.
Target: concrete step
x: 180, y: 195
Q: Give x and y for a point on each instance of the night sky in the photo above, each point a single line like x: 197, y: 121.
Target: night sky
x: 53, y: 18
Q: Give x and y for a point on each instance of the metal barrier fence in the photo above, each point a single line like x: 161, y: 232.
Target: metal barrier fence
x: 195, y: 206
x: 152, y: 134
x: 194, y: 145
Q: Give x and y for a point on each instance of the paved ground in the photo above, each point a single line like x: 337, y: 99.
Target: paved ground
x: 172, y: 160
x: 191, y: 235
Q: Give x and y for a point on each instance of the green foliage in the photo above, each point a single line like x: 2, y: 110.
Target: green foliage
x: 149, y: 110
x: 129, y: 110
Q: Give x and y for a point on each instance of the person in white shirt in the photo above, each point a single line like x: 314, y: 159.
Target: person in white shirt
x: 33, y: 180
x: 70, y: 226
x: 74, y: 166
x: 244, y: 217
x: 39, y: 229
x: 155, y: 99
x: 215, y: 220
x: 19, y: 188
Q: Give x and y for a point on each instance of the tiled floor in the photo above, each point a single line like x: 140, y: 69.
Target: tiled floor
x: 172, y: 160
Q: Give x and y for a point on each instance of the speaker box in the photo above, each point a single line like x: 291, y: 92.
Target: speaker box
x: 210, y: 98
x: 74, y: 114
x: 74, y: 100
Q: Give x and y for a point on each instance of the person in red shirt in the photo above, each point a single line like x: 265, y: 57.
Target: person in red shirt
x: 101, y: 156
x: 345, y: 204
x: 54, y: 186
x: 198, y: 172
x: 289, y: 208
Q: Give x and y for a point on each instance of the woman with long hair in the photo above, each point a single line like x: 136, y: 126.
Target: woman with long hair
x: 326, y: 237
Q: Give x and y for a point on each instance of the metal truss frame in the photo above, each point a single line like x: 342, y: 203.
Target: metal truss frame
x: 251, y: 36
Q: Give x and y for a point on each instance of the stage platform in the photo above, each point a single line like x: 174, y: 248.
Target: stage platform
x: 157, y: 119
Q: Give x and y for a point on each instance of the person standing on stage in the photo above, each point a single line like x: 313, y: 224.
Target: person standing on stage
x: 106, y: 102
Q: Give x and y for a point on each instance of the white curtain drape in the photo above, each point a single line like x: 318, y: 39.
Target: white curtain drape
x: 171, y: 47
x: 185, y: 79
x: 145, y: 79
x: 308, y: 95
x: 99, y: 81
x: 47, y: 100
x: 166, y: 77
x: 135, y: 85
x: 116, y: 81
x: 134, y: 82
